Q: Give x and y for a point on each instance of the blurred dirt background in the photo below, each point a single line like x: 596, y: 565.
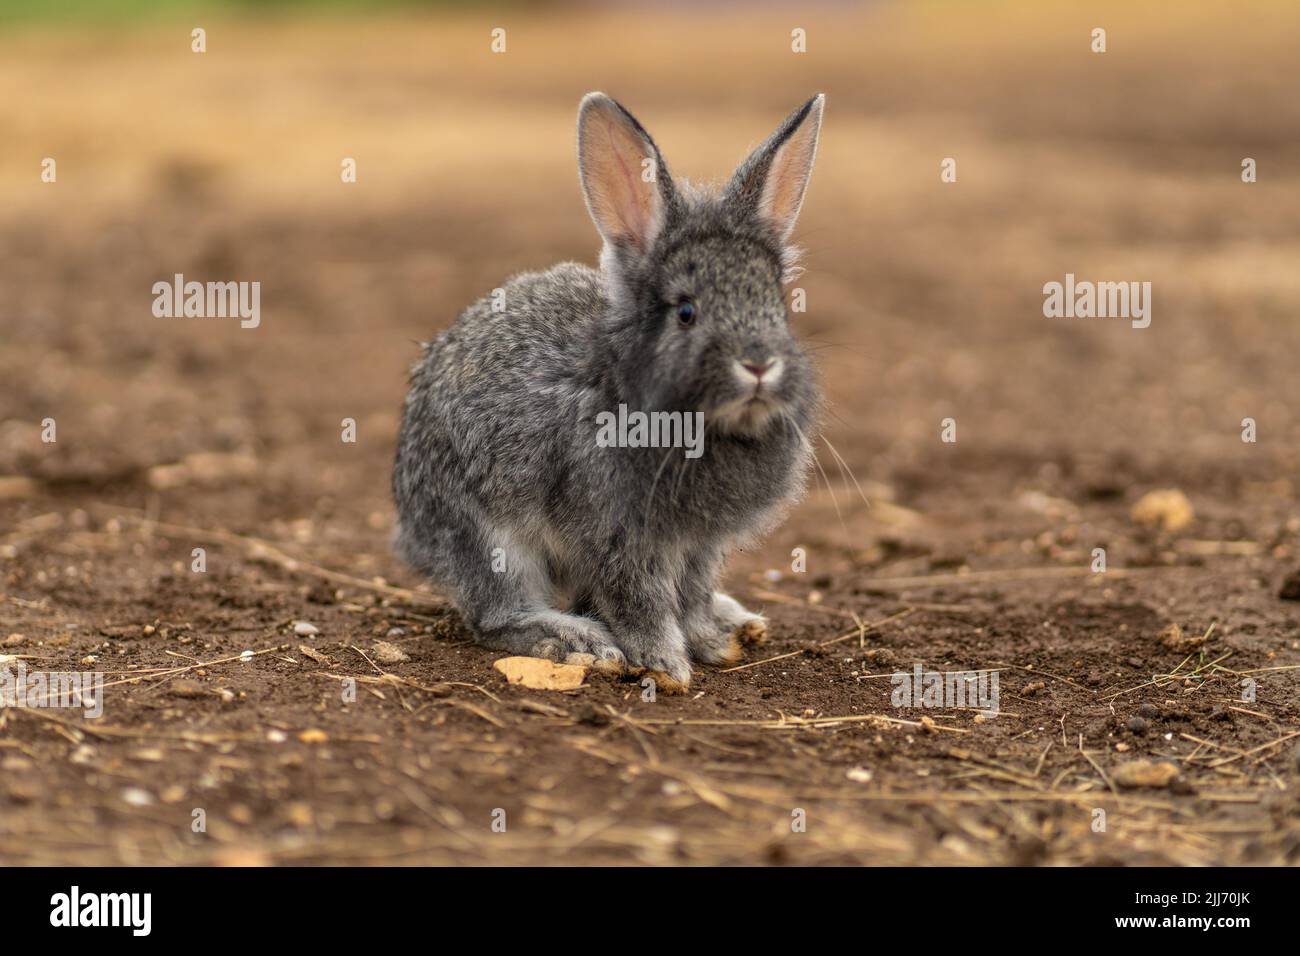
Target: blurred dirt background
x: 924, y: 302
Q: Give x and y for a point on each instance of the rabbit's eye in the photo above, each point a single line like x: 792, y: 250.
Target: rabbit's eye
x: 686, y: 313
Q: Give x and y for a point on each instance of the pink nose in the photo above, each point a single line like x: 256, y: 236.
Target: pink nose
x: 756, y: 369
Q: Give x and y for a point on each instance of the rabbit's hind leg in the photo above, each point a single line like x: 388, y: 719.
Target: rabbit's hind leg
x: 716, y: 626
x: 707, y: 641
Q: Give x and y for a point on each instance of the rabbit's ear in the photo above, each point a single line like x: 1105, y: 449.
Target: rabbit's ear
x: 770, y: 184
x: 624, y: 178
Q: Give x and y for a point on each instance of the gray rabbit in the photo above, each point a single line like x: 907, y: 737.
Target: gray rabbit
x: 506, y: 497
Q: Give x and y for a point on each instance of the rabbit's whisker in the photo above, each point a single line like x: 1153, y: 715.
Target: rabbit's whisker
x: 845, y: 469
x: 825, y: 480
x: 649, y: 501
x: 681, y: 479
x: 836, y: 416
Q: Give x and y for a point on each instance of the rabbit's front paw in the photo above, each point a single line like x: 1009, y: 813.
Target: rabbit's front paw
x: 559, y: 636
x: 671, y: 673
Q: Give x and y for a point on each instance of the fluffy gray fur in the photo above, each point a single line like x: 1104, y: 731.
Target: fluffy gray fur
x: 498, y: 439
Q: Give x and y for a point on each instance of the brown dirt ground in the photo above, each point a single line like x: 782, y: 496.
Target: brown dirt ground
x: 924, y: 303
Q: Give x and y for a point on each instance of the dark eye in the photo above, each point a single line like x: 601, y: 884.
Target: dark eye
x: 686, y: 313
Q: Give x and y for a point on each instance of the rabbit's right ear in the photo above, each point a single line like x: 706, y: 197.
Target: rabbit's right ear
x: 624, y: 178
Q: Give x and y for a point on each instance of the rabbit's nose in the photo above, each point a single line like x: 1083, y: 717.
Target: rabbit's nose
x: 753, y: 370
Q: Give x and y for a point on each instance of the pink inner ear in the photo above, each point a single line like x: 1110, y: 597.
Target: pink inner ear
x: 784, y: 189
x: 633, y: 216
x: 622, y: 201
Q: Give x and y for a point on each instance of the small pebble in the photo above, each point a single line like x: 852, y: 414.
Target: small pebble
x: 305, y: 629
x: 1145, y: 773
x: 387, y: 653
x: 187, y: 688
x: 1148, y: 710
x: 1165, y: 508
x: 245, y: 657
x: 1138, y: 725
x: 137, y: 797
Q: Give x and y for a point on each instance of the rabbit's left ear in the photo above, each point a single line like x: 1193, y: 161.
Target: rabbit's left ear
x: 770, y: 184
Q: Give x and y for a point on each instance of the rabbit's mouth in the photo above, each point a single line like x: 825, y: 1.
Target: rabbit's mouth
x: 749, y: 414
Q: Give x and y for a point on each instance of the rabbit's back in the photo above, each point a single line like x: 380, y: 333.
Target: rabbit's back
x: 534, y: 332
x: 495, y: 398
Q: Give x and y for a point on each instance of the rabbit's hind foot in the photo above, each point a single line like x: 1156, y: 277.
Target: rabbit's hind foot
x: 746, y: 626
x: 713, y: 646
